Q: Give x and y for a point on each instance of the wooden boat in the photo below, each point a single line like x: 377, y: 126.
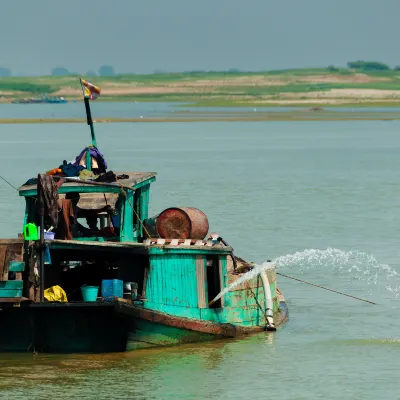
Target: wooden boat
x: 176, y: 278
x: 41, y: 100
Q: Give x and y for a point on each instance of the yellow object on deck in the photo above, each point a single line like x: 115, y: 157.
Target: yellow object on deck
x: 55, y: 293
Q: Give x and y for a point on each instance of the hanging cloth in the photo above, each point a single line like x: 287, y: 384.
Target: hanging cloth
x: 49, y: 198
x: 67, y: 219
x: 98, y: 161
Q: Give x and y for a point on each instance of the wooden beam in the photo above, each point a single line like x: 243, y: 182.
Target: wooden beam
x: 201, y: 281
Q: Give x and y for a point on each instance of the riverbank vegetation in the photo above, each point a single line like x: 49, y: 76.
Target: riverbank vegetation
x: 363, y: 83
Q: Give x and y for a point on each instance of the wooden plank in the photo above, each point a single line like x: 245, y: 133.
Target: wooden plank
x: 201, y: 287
x: 12, y: 241
x: 13, y: 252
x: 134, y: 180
x: 3, y: 252
x: 219, y: 329
x: 146, y: 275
x: 127, y: 227
x: 17, y: 266
x: 221, y: 279
x: 11, y: 285
x: 10, y: 299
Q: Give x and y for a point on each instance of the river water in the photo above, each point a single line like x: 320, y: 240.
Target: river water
x: 322, y: 198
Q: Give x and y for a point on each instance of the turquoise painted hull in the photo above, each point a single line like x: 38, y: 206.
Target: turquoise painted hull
x: 149, y: 334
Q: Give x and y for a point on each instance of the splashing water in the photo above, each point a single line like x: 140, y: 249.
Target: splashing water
x: 350, y: 261
x: 361, y: 266
x: 245, y: 277
x: 365, y: 267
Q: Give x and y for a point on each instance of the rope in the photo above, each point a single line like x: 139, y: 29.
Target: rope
x: 133, y: 208
x: 6, y: 181
x: 256, y: 300
x: 322, y: 287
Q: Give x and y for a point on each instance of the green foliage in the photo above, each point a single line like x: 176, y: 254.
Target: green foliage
x: 332, y: 68
x: 18, y: 85
x: 59, y: 71
x: 106, y: 70
x: 368, y: 65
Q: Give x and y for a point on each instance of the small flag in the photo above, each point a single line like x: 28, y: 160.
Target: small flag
x: 90, y: 91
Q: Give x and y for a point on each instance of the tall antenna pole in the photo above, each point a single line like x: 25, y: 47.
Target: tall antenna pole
x: 90, y: 92
x: 90, y: 120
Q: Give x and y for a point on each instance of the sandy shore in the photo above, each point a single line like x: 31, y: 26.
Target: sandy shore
x: 279, y: 88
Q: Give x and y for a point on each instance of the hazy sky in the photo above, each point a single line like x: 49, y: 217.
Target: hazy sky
x: 175, y: 35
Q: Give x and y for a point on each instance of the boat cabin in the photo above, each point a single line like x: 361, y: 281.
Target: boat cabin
x: 110, y: 241
x: 103, y: 211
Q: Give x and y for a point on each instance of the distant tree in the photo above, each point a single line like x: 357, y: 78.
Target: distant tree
x: 59, y: 71
x: 368, y: 65
x: 91, y: 73
x: 396, y: 68
x: 5, y: 71
x: 233, y: 70
x: 106, y: 70
x: 332, y: 68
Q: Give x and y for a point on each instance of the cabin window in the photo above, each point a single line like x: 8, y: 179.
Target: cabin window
x: 213, y: 280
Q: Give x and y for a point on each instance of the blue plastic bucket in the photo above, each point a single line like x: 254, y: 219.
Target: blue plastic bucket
x: 89, y: 293
x: 112, y: 288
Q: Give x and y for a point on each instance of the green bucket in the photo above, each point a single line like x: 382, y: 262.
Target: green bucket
x: 89, y: 293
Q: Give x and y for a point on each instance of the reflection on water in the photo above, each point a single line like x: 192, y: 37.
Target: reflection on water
x: 152, y: 368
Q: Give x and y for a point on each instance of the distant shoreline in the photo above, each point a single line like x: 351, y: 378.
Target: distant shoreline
x: 314, y: 87
x: 212, y: 116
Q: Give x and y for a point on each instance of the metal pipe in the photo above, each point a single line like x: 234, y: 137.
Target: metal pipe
x: 41, y: 239
x: 269, y: 314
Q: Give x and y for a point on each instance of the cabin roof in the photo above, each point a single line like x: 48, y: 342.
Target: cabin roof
x: 135, y: 180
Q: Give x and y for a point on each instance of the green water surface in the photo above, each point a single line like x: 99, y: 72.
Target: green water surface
x: 270, y: 189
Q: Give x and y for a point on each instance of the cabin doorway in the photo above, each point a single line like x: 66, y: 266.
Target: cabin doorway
x: 213, y: 280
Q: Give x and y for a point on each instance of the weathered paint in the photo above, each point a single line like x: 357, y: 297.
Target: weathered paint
x: 176, y: 280
x: 188, y: 250
x: 177, y: 285
x: 149, y: 334
x: 201, y: 281
x: 76, y: 189
x: 17, y: 266
x: 126, y: 234
x: 11, y: 288
x: 172, y: 280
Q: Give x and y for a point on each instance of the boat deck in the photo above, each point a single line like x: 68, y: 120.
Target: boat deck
x: 134, y: 180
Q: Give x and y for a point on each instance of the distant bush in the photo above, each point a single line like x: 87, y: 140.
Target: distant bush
x: 332, y: 68
x: 368, y: 65
x: 59, y: 71
x: 106, y: 70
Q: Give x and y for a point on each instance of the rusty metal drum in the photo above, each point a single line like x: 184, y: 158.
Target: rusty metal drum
x: 182, y: 223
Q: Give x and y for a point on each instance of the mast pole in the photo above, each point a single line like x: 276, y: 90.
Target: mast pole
x: 90, y: 120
